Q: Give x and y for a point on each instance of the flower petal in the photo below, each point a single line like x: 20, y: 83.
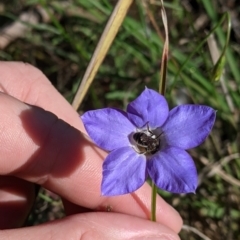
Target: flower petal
x: 188, y: 125
x: 150, y: 107
x: 124, y: 171
x: 108, y: 128
x: 173, y: 170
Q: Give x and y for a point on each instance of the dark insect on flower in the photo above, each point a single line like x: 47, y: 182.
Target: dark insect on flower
x: 147, y: 142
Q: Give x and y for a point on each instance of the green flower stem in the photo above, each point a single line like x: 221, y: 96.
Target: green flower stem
x: 162, y: 88
x: 153, y: 203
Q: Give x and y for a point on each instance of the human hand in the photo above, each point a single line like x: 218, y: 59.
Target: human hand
x: 46, y: 147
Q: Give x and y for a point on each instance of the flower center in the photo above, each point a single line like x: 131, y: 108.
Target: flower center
x: 146, y: 142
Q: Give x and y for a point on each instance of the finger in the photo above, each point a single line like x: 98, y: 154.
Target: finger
x: 16, y: 199
x: 101, y: 226
x: 71, y: 208
x: 28, y: 84
x: 83, y: 165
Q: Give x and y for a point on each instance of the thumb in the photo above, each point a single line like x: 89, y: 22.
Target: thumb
x: 101, y: 226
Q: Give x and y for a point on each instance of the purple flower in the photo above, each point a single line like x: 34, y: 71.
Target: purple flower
x: 149, y: 141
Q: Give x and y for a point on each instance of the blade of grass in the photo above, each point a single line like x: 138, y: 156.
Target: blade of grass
x: 163, y: 72
x: 101, y: 50
x: 197, y: 49
x: 230, y: 58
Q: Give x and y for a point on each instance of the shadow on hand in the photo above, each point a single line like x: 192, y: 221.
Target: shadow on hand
x: 17, y: 198
x: 59, y: 146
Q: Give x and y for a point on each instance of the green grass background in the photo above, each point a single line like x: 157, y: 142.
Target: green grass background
x: 62, y: 48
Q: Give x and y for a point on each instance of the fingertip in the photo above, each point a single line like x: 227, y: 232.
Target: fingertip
x: 18, y: 78
x: 28, y: 84
x: 101, y: 226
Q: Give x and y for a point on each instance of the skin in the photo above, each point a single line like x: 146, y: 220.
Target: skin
x: 43, y: 141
